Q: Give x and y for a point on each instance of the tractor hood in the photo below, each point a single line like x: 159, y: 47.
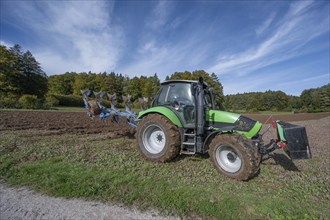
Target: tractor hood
x: 241, y: 124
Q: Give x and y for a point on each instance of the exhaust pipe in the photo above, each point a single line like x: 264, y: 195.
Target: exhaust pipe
x: 200, y: 122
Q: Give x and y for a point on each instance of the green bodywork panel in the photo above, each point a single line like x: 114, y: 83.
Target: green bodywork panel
x: 163, y: 111
x: 221, y: 116
x: 254, y: 131
x: 211, y: 116
x: 280, y: 131
x: 231, y: 118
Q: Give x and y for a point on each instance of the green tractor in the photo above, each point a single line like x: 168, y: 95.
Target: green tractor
x: 183, y: 119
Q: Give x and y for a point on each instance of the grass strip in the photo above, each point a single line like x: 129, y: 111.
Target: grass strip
x: 77, y: 166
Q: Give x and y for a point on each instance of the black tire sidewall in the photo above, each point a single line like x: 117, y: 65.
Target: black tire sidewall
x: 170, y: 150
x: 245, y: 150
x: 226, y: 144
x: 143, y: 149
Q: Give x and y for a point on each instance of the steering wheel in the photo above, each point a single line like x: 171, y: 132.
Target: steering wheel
x: 179, y: 103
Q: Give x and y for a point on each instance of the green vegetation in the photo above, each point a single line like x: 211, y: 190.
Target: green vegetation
x: 21, y: 74
x: 29, y: 101
x: 57, y: 109
x: 92, y: 167
x: 311, y: 100
x: 68, y: 109
x: 70, y: 84
x: 315, y: 100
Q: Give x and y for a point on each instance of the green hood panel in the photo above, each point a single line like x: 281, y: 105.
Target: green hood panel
x: 163, y: 111
x: 280, y: 130
x: 253, y: 132
x: 221, y: 116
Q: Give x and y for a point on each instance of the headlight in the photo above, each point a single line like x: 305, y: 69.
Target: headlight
x: 244, y: 124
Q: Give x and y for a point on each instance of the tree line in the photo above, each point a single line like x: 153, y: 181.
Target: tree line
x: 310, y: 100
x: 68, y: 85
x: 23, y: 84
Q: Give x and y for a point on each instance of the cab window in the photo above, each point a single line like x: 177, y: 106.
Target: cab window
x: 160, y: 99
x: 180, y: 92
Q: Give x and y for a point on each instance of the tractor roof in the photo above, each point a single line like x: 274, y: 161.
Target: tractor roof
x: 178, y: 81
x: 181, y: 81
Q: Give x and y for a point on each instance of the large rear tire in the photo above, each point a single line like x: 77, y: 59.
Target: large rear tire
x: 158, y: 138
x: 235, y: 156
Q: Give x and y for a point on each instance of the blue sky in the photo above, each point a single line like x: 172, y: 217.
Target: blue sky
x: 250, y: 45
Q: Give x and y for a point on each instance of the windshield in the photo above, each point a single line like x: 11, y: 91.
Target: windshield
x: 180, y: 92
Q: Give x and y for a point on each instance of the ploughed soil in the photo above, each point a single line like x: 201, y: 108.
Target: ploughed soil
x: 63, y: 122
x: 20, y: 204
x: 80, y: 123
x: 289, y: 117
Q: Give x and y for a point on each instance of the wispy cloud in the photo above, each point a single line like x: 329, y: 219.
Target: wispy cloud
x: 296, y: 29
x: 306, y: 83
x: 80, y: 35
x: 162, y: 53
x: 299, y: 7
x: 291, y: 80
x: 254, y: 83
x: 164, y: 58
x: 249, y: 49
x: 159, y: 15
x: 265, y: 24
x: 325, y: 78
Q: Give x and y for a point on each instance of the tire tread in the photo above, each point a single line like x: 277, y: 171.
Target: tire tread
x: 171, y: 131
x: 250, y: 154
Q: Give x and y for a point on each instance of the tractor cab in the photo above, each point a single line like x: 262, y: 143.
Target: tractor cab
x: 179, y: 96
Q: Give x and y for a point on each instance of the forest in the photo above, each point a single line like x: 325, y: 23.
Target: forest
x: 23, y: 84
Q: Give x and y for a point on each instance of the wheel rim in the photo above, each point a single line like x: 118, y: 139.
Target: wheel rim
x: 154, y: 139
x: 228, y: 159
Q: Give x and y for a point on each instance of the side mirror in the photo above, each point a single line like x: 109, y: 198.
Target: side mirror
x: 201, y: 80
x: 193, y: 88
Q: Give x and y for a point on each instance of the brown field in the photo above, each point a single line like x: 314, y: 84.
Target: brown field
x: 80, y: 123
x: 57, y: 123
x: 297, y: 188
x: 289, y: 117
x: 62, y: 122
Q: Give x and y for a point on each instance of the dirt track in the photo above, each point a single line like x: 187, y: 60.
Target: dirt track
x: 23, y: 203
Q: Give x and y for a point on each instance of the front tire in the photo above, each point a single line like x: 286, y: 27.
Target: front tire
x: 235, y: 156
x: 158, y: 138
